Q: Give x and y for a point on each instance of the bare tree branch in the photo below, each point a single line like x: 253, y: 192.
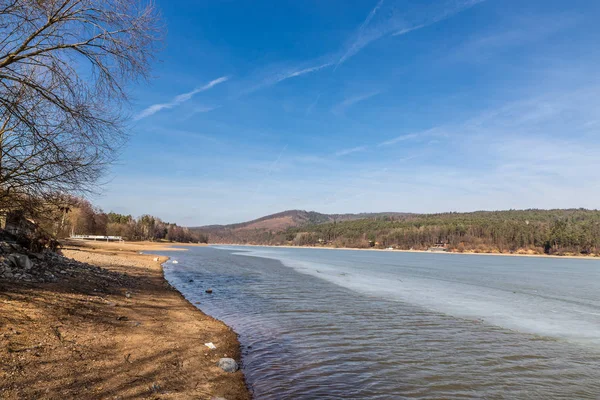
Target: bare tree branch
x: 64, y: 69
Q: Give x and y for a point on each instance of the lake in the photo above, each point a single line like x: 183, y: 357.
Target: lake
x: 350, y: 324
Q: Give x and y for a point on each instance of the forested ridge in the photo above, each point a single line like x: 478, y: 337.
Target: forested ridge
x: 560, y: 231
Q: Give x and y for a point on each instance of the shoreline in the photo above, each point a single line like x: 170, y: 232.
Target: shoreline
x: 472, y: 253
x: 115, y: 329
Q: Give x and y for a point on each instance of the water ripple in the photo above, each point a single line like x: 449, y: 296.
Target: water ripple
x: 304, y: 338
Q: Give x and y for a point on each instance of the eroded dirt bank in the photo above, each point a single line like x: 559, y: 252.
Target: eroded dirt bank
x: 114, y: 332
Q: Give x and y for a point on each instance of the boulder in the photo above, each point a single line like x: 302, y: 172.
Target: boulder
x: 228, y: 364
x: 20, y: 261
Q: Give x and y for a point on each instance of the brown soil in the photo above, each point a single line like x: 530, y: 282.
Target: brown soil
x: 123, y: 333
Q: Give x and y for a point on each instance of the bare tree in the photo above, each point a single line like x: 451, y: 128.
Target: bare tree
x: 64, y: 67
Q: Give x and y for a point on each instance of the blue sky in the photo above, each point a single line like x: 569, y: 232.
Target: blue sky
x: 362, y: 106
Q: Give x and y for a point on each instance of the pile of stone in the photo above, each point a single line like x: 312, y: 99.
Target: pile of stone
x: 20, y: 264
x: 15, y: 264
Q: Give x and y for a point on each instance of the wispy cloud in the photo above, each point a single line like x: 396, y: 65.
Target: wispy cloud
x: 390, y: 142
x: 294, y: 74
x: 312, y: 105
x: 201, y: 110
x: 177, y: 100
x: 390, y: 18
x: 398, y: 139
x: 359, y: 41
x: 340, y: 108
x: 434, y: 134
x: 189, y: 136
x: 448, y: 10
x: 517, y: 32
x: 204, y: 109
x: 270, y: 170
x: 371, y: 15
x: 285, y: 74
x: 345, y: 152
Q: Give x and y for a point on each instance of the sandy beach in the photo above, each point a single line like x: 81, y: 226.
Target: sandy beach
x: 120, y: 333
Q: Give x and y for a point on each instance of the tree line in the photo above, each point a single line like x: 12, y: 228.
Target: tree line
x: 572, y: 231
x: 80, y: 217
x: 535, y: 231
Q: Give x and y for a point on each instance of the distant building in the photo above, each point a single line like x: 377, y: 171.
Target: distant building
x: 98, y: 237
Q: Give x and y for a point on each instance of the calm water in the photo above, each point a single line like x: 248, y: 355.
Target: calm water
x: 336, y: 324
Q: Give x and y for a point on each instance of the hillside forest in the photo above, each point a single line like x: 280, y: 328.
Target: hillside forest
x: 557, y: 232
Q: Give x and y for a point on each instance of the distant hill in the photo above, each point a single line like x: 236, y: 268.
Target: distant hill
x: 264, y: 229
x: 559, y: 231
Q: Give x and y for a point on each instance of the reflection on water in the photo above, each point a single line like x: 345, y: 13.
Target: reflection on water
x: 374, y: 325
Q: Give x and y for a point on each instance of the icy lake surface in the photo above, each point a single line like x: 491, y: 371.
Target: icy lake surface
x: 318, y: 323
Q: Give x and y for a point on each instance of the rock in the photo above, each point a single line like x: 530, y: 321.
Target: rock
x: 191, y: 280
x: 228, y: 364
x: 209, y: 291
x: 20, y: 261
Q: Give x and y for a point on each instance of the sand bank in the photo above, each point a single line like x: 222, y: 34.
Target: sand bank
x: 120, y: 333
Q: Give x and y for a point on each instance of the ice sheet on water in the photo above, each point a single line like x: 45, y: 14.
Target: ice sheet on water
x: 502, y: 295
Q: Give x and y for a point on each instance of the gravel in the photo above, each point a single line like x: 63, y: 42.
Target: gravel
x: 19, y: 264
